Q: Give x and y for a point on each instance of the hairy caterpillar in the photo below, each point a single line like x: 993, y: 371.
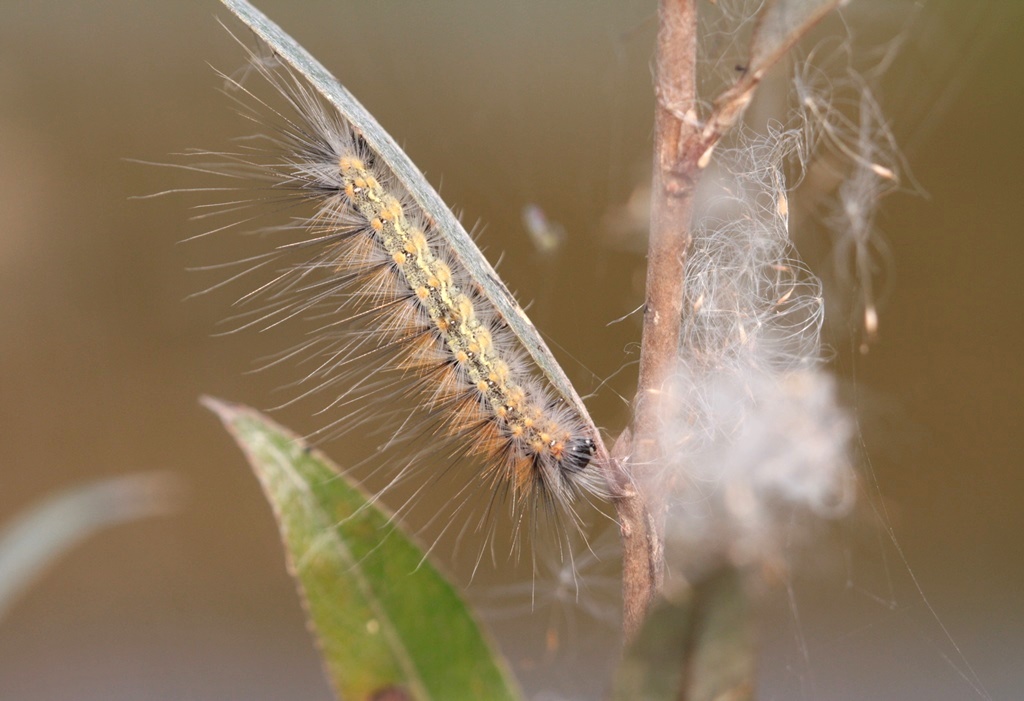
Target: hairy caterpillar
x: 401, y: 301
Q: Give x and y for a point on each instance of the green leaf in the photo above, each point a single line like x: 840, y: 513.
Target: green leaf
x: 697, y: 644
x: 386, y: 620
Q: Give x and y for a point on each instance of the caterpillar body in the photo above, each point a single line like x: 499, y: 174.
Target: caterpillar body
x: 394, y: 309
x: 478, y: 384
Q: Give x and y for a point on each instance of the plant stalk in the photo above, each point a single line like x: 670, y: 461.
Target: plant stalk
x: 676, y: 170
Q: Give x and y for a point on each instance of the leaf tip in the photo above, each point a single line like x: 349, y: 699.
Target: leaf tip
x: 225, y: 411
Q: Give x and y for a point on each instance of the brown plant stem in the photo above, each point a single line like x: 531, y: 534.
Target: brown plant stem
x: 641, y: 512
x: 683, y: 146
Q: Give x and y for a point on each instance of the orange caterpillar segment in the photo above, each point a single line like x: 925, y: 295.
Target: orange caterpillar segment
x: 507, y: 419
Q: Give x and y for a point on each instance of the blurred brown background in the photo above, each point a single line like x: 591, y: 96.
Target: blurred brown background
x: 101, y: 363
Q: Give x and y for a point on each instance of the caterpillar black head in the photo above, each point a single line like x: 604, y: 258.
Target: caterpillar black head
x: 578, y: 454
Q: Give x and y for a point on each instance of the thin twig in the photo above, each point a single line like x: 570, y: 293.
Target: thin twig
x: 683, y: 146
x: 675, y: 171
